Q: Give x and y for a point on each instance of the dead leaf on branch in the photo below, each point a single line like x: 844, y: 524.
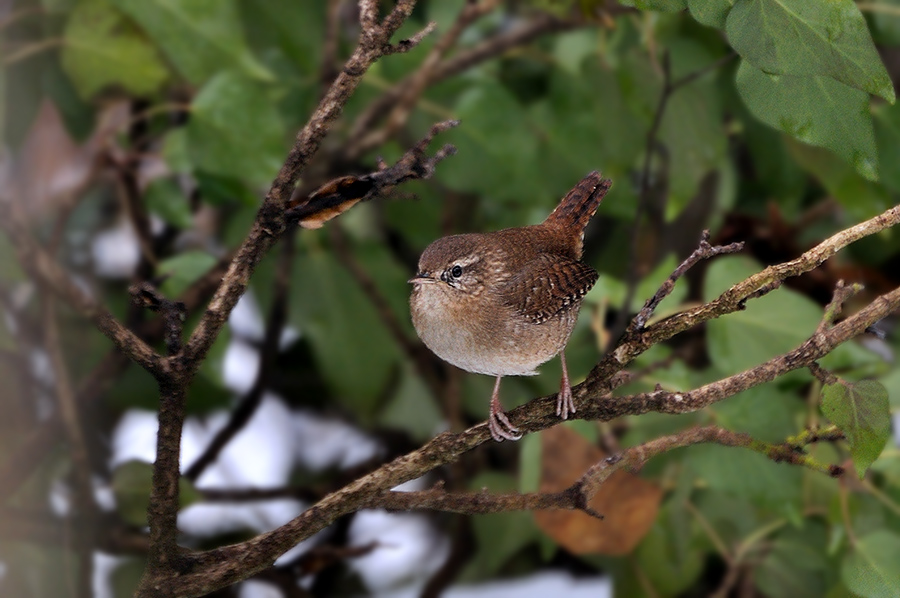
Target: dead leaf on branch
x: 628, y: 503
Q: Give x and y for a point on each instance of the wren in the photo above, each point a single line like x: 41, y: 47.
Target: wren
x: 503, y: 303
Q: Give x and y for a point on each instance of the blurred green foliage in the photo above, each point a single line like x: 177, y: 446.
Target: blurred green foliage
x: 801, y: 115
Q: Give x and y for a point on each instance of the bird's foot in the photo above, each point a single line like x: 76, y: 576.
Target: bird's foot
x: 565, y: 404
x: 501, y: 428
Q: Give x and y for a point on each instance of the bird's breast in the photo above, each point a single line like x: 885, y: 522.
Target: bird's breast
x: 485, y: 336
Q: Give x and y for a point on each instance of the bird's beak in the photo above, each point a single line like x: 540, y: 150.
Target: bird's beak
x: 421, y: 277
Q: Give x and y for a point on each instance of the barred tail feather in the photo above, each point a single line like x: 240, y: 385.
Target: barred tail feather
x: 577, y: 208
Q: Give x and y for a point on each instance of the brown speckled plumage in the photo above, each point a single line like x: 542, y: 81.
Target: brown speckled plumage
x: 503, y: 303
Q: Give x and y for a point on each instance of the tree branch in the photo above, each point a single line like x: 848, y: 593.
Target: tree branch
x: 165, y: 560
x: 267, y: 354
x: 41, y: 267
x: 406, y: 93
x: 636, y: 342
x: 270, y: 223
x: 360, y: 142
x: 703, y: 252
x: 337, y: 196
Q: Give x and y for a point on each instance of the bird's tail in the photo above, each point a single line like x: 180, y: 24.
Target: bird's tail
x: 577, y: 208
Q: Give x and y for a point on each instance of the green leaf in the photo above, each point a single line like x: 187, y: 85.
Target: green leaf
x: 657, y: 5
x: 809, y: 37
x: 585, y: 124
x: 102, y: 49
x: 200, y: 37
x: 887, y: 138
x: 226, y: 191
x: 78, y: 115
x: 165, y: 199
x: 495, y: 149
x: 286, y: 28
x: 872, y: 568
x: 182, y: 270
x: 861, y: 198
x: 747, y: 474
x: 795, y: 566
x: 862, y: 411
x: 765, y: 412
x: 235, y: 130
x: 710, y: 12
x: 131, y: 483
x: 770, y: 325
x: 891, y: 382
x: 692, y: 126
x: 410, y: 397
x: 498, y: 536
x: 885, y: 24
x: 816, y: 110
x: 353, y: 350
x: 667, y: 557
x: 530, y: 463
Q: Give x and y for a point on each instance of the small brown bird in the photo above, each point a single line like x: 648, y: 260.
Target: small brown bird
x: 503, y: 303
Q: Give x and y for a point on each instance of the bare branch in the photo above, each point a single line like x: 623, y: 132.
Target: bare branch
x: 704, y: 251
x: 373, y: 491
x: 633, y: 344
x: 48, y: 272
x: 270, y: 222
x: 337, y: 196
x: 269, y: 226
x: 841, y: 294
x: 816, y: 347
x: 407, y: 92
x: 267, y: 354
x: 669, y: 87
x: 362, y: 135
x: 405, y: 45
x: 173, y: 312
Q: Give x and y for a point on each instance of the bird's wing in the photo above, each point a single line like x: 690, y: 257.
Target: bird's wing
x: 546, y: 285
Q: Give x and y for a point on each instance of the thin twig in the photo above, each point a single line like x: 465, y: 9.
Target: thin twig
x: 65, y: 396
x: 145, y: 295
x: 490, y: 48
x: 267, y: 354
x: 413, y: 86
x: 337, y: 196
x: 270, y: 223
x: 703, y: 252
x: 414, y: 349
x: 328, y: 70
x: 734, y: 299
x: 45, y: 269
x: 669, y: 87
x: 840, y: 296
x: 269, y: 226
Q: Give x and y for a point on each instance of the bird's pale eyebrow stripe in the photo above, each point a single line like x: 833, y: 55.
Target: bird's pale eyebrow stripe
x: 468, y: 261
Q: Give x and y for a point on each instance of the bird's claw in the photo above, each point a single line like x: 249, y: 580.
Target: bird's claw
x: 501, y: 428
x: 565, y: 403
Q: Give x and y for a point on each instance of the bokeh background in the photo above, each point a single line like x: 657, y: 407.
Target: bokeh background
x: 139, y: 137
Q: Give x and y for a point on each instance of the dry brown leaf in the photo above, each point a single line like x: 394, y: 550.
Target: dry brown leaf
x: 628, y: 503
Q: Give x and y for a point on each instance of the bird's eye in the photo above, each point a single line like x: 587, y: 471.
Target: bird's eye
x: 456, y: 272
